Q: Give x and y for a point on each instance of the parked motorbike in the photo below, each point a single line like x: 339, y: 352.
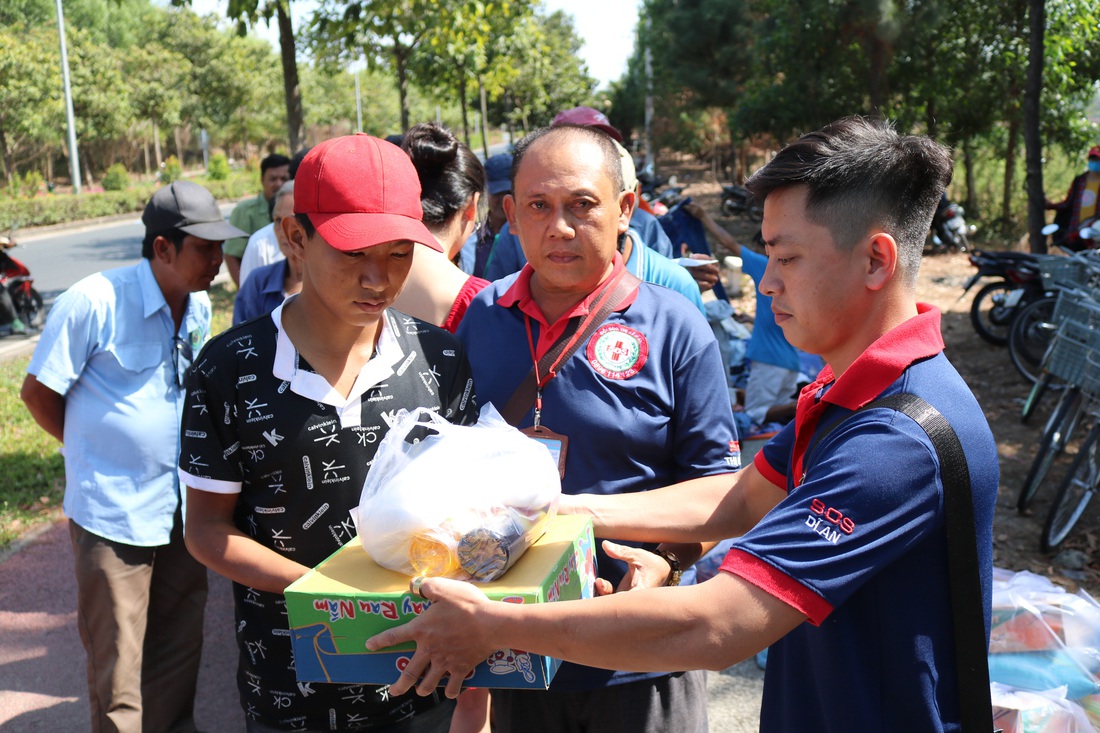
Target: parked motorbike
x: 949, y: 228
x: 17, y: 280
x: 1017, y: 283
x: 737, y: 201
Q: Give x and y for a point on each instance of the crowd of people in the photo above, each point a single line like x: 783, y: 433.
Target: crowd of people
x: 389, y: 276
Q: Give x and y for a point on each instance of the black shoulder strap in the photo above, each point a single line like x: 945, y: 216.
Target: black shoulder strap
x: 971, y: 660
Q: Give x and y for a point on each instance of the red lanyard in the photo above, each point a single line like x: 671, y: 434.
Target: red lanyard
x: 567, y: 350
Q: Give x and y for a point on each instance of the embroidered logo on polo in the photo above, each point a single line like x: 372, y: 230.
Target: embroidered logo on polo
x: 617, y: 351
x: 829, y: 522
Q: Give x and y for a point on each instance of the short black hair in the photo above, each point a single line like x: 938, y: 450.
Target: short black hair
x: 175, y: 236
x: 861, y: 173
x: 303, y: 219
x: 450, y: 174
x: 612, y: 162
x: 275, y: 160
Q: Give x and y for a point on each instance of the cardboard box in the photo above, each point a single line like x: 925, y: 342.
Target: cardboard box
x: 345, y: 600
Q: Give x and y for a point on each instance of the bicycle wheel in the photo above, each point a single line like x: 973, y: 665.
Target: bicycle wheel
x: 1030, y: 336
x: 1074, y: 494
x: 1062, y: 423
x: 990, y: 318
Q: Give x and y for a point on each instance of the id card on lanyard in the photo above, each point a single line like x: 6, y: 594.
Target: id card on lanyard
x: 556, y: 443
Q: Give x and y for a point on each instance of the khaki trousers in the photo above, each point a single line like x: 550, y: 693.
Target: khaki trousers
x: 140, y: 616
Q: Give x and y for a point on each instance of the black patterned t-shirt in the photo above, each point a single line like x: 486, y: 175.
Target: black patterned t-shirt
x: 260, y: 423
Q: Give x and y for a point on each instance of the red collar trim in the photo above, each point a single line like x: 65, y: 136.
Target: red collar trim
x: 884, y: 361
x: 520, y: 294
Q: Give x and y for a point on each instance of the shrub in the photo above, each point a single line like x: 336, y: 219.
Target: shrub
x: 32, y: 181
x: 117, y: 178
x: 65, y: 208
x: 219, y: 167
x: 170, y: 170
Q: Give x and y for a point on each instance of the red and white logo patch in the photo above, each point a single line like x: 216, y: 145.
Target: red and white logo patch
x: 617, y: 352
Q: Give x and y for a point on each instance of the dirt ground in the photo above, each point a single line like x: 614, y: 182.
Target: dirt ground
x: 999, y: 389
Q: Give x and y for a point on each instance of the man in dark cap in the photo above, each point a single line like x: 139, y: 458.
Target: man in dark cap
x: 107, y: 380
x: 475, y: 253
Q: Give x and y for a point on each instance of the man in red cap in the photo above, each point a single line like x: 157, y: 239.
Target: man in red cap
x: 1080, y: 207
x: 284, y: 414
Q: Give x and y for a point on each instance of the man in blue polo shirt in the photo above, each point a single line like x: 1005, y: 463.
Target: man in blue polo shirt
x: 840, y: 562
x: 641, y: 402
x: 107, y: 380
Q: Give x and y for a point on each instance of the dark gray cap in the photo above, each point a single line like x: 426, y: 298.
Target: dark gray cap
x: 190, y: 208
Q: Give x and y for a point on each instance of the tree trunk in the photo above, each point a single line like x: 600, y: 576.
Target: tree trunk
x: 1036, y: 199
x: 971, y: 186
x: 145, y: 150
x: 156, y: 144
x: 179, y: 146
x: 399, y: 55
x: 1010, y: 167
x: 295, y: 120
x: 484, y: 119
x: 9, y: 164
x: 462, y: 105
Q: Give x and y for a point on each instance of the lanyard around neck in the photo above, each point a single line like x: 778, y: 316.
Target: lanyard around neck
x: 541, y: 380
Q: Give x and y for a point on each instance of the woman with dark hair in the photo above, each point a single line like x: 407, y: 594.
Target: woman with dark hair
x: 452, y: 180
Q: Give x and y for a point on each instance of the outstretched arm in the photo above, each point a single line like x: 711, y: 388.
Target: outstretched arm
x: 707, y: 626
x: 724, y: 238
x: 708, y: 508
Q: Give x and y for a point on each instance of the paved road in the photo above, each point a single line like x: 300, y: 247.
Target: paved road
x: 58, y: 257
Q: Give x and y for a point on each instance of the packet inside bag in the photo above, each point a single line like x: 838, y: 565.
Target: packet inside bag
x: 455, y: 501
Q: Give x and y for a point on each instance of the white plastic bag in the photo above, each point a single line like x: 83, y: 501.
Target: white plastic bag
x: 455, y: 501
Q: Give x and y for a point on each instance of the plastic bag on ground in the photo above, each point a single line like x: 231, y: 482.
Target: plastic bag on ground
x: 1026, y: 711
x: 455, y: 501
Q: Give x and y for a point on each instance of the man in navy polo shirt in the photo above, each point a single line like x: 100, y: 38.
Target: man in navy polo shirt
x: 641, y: 403
x: 840, y: 561
x: 284, y: 414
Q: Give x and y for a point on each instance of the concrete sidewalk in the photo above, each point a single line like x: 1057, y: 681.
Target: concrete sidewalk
x: 42, y: 683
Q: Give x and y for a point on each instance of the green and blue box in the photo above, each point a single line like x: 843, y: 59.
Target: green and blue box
x: 348, y: 598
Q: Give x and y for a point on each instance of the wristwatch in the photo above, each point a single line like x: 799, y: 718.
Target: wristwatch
x: 675, y: 573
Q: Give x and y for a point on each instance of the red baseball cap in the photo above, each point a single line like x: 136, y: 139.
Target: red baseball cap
x: 1094, y: 151
x: 359, y: 191
x: 587, y: 117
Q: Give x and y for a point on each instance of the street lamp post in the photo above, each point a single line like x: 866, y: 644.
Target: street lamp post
x: 74, y: 156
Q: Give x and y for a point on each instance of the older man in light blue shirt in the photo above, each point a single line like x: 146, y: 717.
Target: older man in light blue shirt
x: 107, y: 380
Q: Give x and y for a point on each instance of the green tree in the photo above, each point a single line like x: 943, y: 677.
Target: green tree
x: 101, y: 99
x: 549, y: 74
x: 158, y: 85
x: 388, y: 33
x: 31, y: 111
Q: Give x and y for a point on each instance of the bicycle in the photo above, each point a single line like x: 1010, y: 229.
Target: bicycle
x: 1034, y: 325
x: 1067, y: 360
x: 1080, y: 483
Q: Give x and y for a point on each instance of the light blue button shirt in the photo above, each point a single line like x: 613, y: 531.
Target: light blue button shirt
x: 108, y: 348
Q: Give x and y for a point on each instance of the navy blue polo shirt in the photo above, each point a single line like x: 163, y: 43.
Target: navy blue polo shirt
x: 859, y: 545
x: 643, y: 401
